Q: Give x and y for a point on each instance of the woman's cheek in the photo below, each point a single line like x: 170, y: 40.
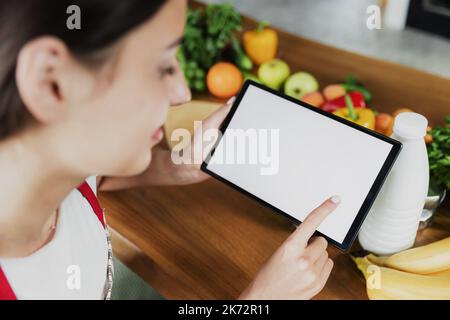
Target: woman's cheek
x: 134, y: 158
x: 138, y: 149
x: 138, y: 164
x: 140, y: 141
x: 137, y: 116
x: 125, y: 143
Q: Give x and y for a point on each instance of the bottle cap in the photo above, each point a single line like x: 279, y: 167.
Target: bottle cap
x: 410, y: 125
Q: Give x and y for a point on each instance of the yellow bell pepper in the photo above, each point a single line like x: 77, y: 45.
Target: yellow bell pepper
x: 261, y: 44
x: 362, y: 116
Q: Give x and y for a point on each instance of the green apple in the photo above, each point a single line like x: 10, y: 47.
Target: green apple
x: 273, y: 73
x: 299, y: 84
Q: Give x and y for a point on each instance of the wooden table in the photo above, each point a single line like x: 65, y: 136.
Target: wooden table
x: 207, y: 241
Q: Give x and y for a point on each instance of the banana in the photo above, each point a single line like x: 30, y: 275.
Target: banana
x: 386, y: 283
x: 377, y: 295
x: 432, y: 258
x: 379, y: 261
x: 445, y: 273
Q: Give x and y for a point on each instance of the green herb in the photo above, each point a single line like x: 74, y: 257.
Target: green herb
x: 439, y: 154
x: 207, y: 33
x: 242, y: 60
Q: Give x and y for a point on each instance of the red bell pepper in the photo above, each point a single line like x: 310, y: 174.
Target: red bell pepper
x: 339, y: 103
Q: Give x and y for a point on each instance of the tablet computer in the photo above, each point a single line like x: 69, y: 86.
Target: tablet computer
x: 291, y: 156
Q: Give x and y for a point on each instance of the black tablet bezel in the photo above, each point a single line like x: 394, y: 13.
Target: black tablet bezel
x: 373, y: 192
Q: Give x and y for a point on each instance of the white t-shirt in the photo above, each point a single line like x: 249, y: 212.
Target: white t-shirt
x: 72, y: 265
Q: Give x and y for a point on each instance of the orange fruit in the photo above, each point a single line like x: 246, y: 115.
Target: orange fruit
x: 401, y: 110
x: 384, y: 123
x: 224, y: 80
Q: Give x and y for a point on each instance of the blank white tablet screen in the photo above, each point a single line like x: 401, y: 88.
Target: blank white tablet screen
x: 312, y: 158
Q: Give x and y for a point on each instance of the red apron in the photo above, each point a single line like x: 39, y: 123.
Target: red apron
x: 6, y: 292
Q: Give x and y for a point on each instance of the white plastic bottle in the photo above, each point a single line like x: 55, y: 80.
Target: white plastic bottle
x: 393, y: 220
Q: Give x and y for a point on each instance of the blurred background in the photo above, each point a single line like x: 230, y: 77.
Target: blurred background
x: 415, y: 33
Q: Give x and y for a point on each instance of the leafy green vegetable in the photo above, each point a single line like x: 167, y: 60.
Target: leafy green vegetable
x: 207, y: 33
x: 241, y: 59
x: 439, y: 154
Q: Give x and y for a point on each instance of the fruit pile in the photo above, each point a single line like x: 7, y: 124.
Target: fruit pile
x: 419, y: 273
x: 212, y: 57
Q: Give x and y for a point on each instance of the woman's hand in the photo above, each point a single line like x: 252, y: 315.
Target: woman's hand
x: 163, y: 170
x: 191, y: 173
x: 300, y: 268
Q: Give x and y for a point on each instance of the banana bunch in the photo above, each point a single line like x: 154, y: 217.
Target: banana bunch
x: 419, y: 273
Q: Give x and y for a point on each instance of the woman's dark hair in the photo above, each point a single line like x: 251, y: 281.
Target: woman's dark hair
x: 103, y: 22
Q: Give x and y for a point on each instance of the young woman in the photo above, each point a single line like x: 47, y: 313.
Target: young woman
x: 81, y: 109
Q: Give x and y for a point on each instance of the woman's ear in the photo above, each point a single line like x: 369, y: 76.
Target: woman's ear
x: 44, y: 71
